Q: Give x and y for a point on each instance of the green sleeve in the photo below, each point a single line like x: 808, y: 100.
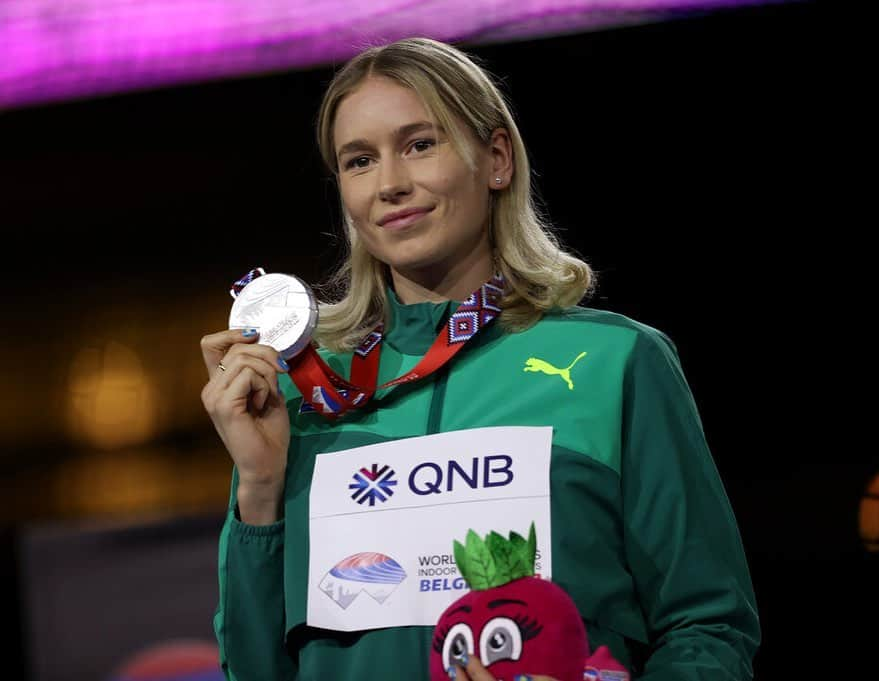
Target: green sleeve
x: 249, y: 620
x: 682, y: 541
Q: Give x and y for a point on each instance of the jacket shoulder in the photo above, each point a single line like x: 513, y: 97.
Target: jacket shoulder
x: 610, y: 323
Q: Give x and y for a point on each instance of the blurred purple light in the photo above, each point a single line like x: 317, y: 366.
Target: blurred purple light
x: 53, y: 50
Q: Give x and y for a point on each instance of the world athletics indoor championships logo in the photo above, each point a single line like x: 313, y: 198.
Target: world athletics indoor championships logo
x: 375, y: 573
x: 373, y: 484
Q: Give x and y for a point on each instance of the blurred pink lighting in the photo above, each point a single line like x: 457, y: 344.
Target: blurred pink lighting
x: 53, y: 50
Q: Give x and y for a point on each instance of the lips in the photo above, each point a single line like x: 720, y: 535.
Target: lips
x: 403, y: 218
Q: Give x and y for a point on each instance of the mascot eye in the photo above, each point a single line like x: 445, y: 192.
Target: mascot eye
x: 500, y: 640
x: 458, y: 641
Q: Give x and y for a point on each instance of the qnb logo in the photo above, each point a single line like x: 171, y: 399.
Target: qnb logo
x: 374, y: 483
x: 375, y: 573
x: 489, y: 471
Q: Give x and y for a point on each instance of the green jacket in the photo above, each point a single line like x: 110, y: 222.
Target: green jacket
x: 643, y: 536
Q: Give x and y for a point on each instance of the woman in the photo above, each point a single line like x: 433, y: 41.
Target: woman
x: 435, y: 190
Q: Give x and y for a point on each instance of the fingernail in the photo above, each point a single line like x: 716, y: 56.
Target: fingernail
x: 283, y: 364
x: 522, y: 677
x: 247, y: 333
x: 452, y: 672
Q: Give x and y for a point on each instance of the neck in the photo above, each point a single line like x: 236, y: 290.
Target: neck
x: 444, y: 282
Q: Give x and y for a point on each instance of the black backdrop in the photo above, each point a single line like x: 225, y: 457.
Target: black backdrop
x: 677, y: 158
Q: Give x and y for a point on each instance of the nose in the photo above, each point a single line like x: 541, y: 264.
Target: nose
x: 394, y: 180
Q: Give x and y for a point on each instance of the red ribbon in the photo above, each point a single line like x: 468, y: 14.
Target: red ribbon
x: 327, y: 393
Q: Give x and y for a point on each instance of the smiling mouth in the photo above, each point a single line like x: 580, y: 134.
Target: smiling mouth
x: 406, y: 220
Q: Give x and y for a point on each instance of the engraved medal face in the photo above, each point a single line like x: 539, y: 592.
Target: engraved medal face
x: 281, y: 307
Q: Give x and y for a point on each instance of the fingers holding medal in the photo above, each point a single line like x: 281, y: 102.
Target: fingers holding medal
x: 214, y: 347
x: 272, y: 319
x: 241, y: 371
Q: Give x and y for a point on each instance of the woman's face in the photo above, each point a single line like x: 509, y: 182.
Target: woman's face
x: 392, y: 160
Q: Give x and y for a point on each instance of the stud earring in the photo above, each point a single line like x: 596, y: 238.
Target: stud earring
x: 497, y: 180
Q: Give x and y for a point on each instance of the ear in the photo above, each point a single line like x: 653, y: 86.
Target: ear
x: 501, y: 166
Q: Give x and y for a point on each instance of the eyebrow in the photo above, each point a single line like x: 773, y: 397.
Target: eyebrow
x: 402, y: 131
x: 506, y: 601
x: 461, y: 608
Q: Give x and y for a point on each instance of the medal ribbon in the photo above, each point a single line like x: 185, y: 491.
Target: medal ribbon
x: 245, y: 280
x: 327, y: 393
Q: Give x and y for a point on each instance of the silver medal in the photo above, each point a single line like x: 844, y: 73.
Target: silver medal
x: 281, y: 307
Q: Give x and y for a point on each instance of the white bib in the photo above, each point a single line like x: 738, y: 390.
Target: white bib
x: 382, y: 519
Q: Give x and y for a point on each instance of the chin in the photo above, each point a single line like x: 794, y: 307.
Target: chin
x: 412, y: 260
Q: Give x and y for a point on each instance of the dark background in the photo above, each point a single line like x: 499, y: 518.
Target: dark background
x: 678, y: 158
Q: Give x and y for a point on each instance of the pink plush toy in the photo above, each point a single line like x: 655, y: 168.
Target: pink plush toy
x: 513, y: 621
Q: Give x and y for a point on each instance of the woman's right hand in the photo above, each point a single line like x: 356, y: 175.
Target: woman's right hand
x: 243, y: 399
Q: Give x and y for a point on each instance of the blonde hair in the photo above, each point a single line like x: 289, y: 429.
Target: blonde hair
x: 539, y: 273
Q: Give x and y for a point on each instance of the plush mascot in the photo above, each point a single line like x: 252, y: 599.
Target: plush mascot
x: 513, y: 621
